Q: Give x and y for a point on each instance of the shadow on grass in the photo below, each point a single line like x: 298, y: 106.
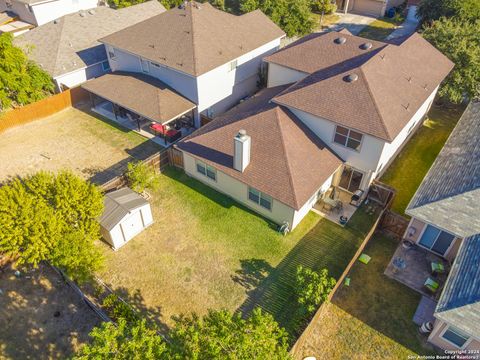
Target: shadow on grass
x: 327, y: 245
x: 379, y: 302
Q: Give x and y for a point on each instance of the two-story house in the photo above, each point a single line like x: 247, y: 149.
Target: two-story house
x: 445, y: 222
x: 39, y: 12
x: 345, y: 97
x: 210, y: 57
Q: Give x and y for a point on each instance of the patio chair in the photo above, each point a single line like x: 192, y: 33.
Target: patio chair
x: 431, y: 285
x: 437, y: 268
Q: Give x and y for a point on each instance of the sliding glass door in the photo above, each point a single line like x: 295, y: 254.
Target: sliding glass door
x: 436, y: 240
x: 351, y: 179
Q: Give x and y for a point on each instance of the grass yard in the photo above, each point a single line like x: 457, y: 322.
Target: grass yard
x: 41, y: 317
x: 206, y: 251
x: 71, y: 139
x: 327, y: 20
x: 412, y: 164
x: 379, y: 29
x: 370, y: 319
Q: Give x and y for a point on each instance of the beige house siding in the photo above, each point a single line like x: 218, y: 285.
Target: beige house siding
x: 436, y: 338
x: 416, y: 228
x: 369, y: 7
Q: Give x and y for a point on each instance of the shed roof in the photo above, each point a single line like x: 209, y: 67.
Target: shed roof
x: 459, y: 304
x: 449, y: 195
x: 143, y: 94
x: 195, y: 37
x: 119, y: 204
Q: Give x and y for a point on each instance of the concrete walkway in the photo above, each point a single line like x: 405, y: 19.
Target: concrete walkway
x: 352, y: 22
x: 408, y: 27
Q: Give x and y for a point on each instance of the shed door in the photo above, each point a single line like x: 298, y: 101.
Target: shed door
x: 132, y: 225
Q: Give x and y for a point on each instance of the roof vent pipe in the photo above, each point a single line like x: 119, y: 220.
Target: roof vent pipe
x: 241, y: 151
x: 366, y: 46
x: 340, y: 40
x: 351, y: 78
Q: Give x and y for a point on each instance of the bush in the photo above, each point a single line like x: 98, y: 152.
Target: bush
x: 141, y: 176
x: 324, y: 6
x: 312, y: 288
x: 117, y: 309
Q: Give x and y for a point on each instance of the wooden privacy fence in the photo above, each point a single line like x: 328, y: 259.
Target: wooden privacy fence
x: 42, y: 108
x: 394, y: 224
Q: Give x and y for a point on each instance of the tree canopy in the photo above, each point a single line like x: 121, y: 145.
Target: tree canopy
x: 460, y: 42
x: 431, y: 10
x: 52, y: 217
x: 21, y: 80
x: 312, y: 288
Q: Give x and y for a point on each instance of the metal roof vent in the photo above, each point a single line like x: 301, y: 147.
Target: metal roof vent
x: 91, y: 12
x: 366, y: 46
x: 340, y: 40
x: 351, y: 78
x: 82, y: 14
x: 56, y: 21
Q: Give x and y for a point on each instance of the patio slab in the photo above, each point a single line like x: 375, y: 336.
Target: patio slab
x: 417, y: 269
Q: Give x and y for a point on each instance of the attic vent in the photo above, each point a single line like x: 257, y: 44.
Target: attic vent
x: 340, y: 40
x: 91, y: 12
x: 366, y: 46
x: 351, y: 78
x: 56, y: 21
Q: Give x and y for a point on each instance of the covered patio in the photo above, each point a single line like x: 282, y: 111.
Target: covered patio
x: 336, y: 205
x: 142, y: 104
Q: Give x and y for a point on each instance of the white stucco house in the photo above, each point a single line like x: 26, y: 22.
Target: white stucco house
x: 337, y: 111
x: 68, y: 48
x: 210, y: 57
x: 39, y: 12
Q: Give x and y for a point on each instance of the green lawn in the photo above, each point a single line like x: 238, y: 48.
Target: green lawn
x: 412, y: 164
x: 372, y: 318
x: 206, y: 251
x: 379, y: 29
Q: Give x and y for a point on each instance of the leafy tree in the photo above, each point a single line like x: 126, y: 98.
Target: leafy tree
x: 431, y: 10
x: 323, y: 6
x: 293, y: 16
x: 169, y: 4
x: 313, y: 287
x: 222, y: 335
x: 21, y: 80
x: 52, y: 217
x: 117, y: 309
x: 460, y: 42
x: 141, y: 176
x: 124, y: 341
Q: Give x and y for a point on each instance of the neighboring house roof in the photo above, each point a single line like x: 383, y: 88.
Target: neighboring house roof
x: 143, y: 94
x: 449, y: 196
x: 288, y: 161
x: 459, y: 304
x: 119, y: 204
x: 393, y: 81
x: 70, y: 42
x: 196, y: 38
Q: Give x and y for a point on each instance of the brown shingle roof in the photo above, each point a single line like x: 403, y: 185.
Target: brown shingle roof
x: 143, y: 94
x: 288, y: 162
x: 393, y: 81
x: 196, y: 38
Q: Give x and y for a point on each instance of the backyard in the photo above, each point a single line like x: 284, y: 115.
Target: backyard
x: 207, y: 251
x: 412, y: 164
x: 41, y: 317
x: 371, y: 318
x: 71, y: 139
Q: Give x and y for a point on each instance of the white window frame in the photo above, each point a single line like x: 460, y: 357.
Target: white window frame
x: 457, y: 332
x: 261, y: 196
x: 232, y: 65
x: 207, y: 168
x: 144, y: 61
x: 347, y: 138
x: 108, y: 65
x: 441, y: 230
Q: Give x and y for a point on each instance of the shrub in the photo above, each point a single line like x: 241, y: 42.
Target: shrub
x: 312, y: 288
x: 141, y: 176
x: 324, y: 6
x: 117, y: 309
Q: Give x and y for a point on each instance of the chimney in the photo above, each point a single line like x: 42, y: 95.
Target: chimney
x: 241, y: 152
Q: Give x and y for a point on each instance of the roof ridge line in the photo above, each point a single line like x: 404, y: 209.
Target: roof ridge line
x: 57, y: 52
x: 194, y: 50
x: 373, y: 98
x: 282, y: 140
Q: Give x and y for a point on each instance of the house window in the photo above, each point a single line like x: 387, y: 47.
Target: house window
x: 111, y: 54
x: 207, y: 170
x: 348, y: 138
x: 233, y: 65
x: 145, y: 67
x: 105, y: 65
x: 260, y: 198
x: 455, y: 336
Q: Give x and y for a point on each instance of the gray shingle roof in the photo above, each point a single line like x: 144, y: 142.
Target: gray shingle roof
x: 449, y: 195
x: 459, y: 304
x: 70, y: 42
x: 118, y: 204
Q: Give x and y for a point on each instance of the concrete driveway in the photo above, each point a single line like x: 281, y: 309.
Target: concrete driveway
x: 352, y: 22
